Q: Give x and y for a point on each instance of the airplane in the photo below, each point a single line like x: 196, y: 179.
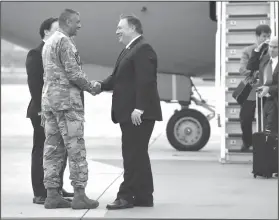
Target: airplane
x: 182, y: 34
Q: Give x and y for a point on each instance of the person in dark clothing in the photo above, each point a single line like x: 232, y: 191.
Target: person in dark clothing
x: 136, y: 107
x: 268, y: 74
x: 247, y: 110
x: 34, y: 69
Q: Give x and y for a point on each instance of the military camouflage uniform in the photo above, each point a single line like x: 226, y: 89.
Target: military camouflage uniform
x: 63, y: 110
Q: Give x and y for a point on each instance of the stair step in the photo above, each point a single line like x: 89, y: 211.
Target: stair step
x: 234, y: 127
x: 240, y: 157
x: 232, y: 111
x: 245, y: 2
x: 233, y: 81
x: 232, y: 104
x: 235, y: 59
x: 241, y: 152
x: 231, y: 89
x: 249, y: 8
x: 241, y: 23
x: 234, y: 74
x: 233, y: 143
x: 239, y: 44
x: 246, y: 37
x: 234, y: 135
x: 240, y: 30
x: 232, y: 66
x: 229, y: 97
x: 236, y: 120
x: 234, y: 52
x: 249, y: 16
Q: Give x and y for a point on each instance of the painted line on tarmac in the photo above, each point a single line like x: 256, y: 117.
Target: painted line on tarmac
x: 121, y: 174
x: 104, y: 192
x: 155, y: 139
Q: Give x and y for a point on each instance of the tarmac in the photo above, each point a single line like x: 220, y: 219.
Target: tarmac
x: 187, y: 184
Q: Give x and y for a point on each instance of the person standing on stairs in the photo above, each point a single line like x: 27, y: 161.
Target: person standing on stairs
x: 247, y: 110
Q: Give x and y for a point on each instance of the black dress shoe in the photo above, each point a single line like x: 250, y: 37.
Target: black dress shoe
x: 120, y: 204
x: 64, y: 193
x: 39, y: 200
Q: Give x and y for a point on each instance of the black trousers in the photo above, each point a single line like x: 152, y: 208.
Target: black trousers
x: 247, y: 115
x: 270, y: 115
x: 138, y: 179
x: 37, y: 171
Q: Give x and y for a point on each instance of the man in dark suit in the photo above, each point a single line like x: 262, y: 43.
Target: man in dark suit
x: 34, y: 69
x: 136, y: 106
x: 268, y: 67
x: 247, y: 110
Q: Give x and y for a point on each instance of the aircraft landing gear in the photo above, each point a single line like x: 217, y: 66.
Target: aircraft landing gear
x: 188, y: 130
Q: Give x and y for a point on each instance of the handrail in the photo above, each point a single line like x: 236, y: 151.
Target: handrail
x: 272, y: 19
x: 223, y: 83
x: 276, y: 17
x: 217, y: 59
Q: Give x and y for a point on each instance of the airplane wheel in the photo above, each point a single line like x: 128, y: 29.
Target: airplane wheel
x: 188, y: 130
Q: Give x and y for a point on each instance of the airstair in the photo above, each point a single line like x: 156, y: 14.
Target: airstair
x: 236, y: 30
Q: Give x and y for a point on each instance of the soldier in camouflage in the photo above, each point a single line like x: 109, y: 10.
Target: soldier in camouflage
x: 63, y: 114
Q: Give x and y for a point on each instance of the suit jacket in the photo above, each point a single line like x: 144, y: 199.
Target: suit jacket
x: 35, y: 71
x: 134, y: 83
x: 246, y: 54
x: 260, y: 61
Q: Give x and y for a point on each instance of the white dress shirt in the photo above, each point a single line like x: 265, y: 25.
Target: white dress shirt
x: 273, y: 66
x: 128, y: 45
x: 274, y: 63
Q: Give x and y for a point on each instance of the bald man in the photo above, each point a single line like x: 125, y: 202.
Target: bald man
x: 268, y: 68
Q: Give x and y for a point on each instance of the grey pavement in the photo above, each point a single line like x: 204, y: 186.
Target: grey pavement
x: 187, y: 184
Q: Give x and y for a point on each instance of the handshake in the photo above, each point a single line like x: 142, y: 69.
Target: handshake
x: 96, y: 87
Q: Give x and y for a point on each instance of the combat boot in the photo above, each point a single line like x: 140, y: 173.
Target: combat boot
x: 81, y: 201
x: 54, y: 200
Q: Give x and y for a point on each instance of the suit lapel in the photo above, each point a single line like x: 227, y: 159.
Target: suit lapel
x: 121, y: 55
x: 125, y: 51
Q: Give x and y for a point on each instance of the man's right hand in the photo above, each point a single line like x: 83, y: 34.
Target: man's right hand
x: 96, y: 87
x: 257, y: 49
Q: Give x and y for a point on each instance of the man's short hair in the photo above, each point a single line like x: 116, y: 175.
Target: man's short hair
x: 46, y: 25
x: 263, y: 29
x: 65, y: 15
x: 133, y: 20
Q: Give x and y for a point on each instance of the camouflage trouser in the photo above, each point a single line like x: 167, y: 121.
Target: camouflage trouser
x: 66, y: 125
